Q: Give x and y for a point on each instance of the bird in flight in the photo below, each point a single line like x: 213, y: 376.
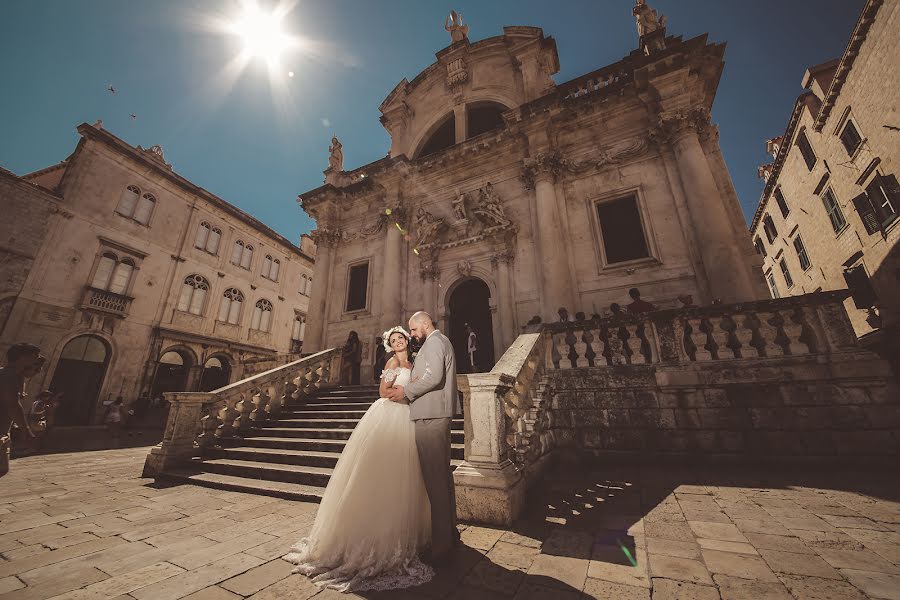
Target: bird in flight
x: 133, y: 116
x: 111, y: 89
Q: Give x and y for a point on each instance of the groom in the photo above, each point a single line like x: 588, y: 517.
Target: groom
x: 431, y: 394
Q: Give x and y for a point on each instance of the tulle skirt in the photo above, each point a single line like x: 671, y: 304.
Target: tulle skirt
x: 375, y: 516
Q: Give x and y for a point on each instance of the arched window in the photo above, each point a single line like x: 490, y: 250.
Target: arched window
x: 309, y: 287
x: 230, y: 309
x: 193, y: 294
x: 144, y: 209
x: 208, y: 238
x: 270, y: 268
x: 212, y: 245
x: 276, y: 267
x: 128, y: 201
x: 105, y: 268
x: 241, y: 254
x: 304, y: 281
x: 262, y: 316
x: 121, y: 277
x: 299, y: 328
x: 443, y: 136
x: 484, y: 117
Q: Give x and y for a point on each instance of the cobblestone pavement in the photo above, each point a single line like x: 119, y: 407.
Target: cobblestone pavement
x: 86, y: 525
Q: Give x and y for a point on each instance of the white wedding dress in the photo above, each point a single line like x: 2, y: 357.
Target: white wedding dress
x: 375, y: 515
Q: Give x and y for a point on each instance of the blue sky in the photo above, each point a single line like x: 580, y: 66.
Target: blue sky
x: 258, y: 144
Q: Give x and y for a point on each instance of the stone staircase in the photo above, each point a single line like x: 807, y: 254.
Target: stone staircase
x: 293, y: 455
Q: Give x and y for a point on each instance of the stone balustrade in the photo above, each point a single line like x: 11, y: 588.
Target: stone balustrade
x: 793, y: 326
x: 199, y: 420
x: 596, y: 81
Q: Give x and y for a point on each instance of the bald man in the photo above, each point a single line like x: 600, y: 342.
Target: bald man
x: 433, y: 400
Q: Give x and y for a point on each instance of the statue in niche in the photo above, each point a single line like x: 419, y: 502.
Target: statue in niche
x: 336, y: 160
x: 490, y: 208
x: 454, y: 24
x: 647, y: 19
x: 459, y: 207
x: 427, y: 227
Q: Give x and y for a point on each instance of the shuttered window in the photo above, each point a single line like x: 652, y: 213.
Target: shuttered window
x: 806, y: 150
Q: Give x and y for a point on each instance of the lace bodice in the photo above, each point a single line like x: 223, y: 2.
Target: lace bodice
x: 398, y: 376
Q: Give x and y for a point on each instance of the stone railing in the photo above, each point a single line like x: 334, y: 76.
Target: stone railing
x: 507, y: 433
x: 793, y: 326
x: 596, y: 81
x: 106, y: 301
x: 199, y: 420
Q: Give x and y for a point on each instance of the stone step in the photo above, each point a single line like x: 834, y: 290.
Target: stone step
x: 329, y: 406
x: 457, y: 436
x: 311, y: 444
x: 321, y: 414
x: 279, y: 489
x: 269, y: 471
x: 283, y: 456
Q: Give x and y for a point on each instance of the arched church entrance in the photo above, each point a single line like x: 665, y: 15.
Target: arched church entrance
x: 216, y: 372
x: 469, y: 304
x: 171, y: 373
x: 79, y: 375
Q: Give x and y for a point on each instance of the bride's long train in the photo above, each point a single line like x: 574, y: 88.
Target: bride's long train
x: 375, y: 515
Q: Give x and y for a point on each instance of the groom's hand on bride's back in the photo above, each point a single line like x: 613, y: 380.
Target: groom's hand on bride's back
x: 397, y: 394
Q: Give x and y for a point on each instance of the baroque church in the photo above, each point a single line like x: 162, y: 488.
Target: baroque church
x: 506, y: 196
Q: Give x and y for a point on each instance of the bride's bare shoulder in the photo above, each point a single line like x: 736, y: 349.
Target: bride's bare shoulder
x: 393, y: 363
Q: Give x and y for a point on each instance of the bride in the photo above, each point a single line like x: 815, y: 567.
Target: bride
x: 375, y: 516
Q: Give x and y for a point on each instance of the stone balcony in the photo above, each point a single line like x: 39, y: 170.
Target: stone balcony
x: 106, y: 302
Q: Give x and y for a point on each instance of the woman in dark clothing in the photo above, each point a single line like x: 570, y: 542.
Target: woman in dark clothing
x: 351, y: 359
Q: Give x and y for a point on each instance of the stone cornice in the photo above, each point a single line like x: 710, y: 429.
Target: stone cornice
x: 672, y: 125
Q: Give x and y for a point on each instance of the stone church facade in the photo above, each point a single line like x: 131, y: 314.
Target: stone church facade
x: 506, y: 196
x: 827, y: 218
x: 134, y: 280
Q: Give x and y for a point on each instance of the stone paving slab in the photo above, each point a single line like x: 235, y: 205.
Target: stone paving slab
x: 85, y: 526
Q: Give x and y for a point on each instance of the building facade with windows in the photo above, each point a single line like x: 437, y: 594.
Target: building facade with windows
x: 827, y: 218
x: 506, y: 195
x: 137, y: 281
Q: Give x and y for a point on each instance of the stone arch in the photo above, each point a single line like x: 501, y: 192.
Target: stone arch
x: 470, y: 299
x: 215, y: 376
x: 170, y: 376
x: 81, y: 373
x: 437, y: 120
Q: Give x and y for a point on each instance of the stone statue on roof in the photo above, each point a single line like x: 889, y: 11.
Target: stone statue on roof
x: 647, y: 19
x: 454, y: 24
x: 336, y: 160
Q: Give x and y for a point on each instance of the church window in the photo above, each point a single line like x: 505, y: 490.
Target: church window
x: 262, y: 316
x: 769, y: 229
x: 806, y: 150
x: 193, y: 294
x: 850, y: 138
x: 443, y: 137
x: 230, y: 308
x: 357, y: 287
x: 621, y: 230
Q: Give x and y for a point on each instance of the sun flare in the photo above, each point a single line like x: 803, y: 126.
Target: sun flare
x: 261, y: 33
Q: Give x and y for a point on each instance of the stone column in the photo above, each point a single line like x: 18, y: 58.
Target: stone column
x: 429, y: 275
x: 725, y: 270
x: 326, y: 240
x: 461, y: 118
x: 391, y: 297
x: 506, y: 303
x: 553, y: 270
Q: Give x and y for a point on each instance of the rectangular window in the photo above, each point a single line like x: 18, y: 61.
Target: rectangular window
x: 787, y: 274
x: 621, y: 230
x: 357, y: 287
x: 806, y: 150
x: 760, y: 247
x: 850, y: 138
x: 782, y: 203
x: 833, y: 209
x: 769, y: 228
x: 883, y: 194
x: 774, y: 288
x: 801, y: 253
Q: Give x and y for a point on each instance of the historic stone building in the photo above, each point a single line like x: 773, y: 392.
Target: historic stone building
x: 827, y: 218
x: 134, y: 280
x: 506, y: 196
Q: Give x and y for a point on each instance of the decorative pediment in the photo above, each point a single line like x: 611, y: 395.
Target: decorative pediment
x: 155, y: 152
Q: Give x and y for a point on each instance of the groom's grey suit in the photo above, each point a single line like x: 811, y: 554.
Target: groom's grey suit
x: 433, y: 401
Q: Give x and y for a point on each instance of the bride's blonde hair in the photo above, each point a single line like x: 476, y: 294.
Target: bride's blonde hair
x: 386, y: 336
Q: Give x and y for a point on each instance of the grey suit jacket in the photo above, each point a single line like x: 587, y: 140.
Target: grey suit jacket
x: 432, y: 387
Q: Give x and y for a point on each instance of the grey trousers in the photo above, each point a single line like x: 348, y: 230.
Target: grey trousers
x: 433, y: 445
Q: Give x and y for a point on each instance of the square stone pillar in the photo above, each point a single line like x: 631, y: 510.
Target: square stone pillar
x: 183, y: 425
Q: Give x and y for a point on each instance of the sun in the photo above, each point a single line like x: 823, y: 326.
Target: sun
x: 261, y: 33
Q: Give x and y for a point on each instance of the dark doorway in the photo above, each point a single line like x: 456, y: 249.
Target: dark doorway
x: 171, y: 374
x: 79, y: 375
x: 216, y: 372
x: 470, y: 303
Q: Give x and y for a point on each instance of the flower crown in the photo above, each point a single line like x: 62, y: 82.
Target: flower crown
x: 386, y: 336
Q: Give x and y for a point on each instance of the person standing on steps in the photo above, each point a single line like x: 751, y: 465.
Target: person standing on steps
x: 351, y: 358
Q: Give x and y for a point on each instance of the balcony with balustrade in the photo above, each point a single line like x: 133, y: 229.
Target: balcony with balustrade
x: 106, y: 302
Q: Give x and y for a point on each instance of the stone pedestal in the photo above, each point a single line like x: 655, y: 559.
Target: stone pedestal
x: 177, y: 446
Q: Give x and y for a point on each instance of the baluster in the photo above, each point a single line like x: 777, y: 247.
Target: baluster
x: 581, y: 348
x: 616, y: 346
x: 260, y: 413
x: 743, y: 333
x: 717, y: 329
x: 208, y: 426
x: 562, y: 348
x: 699, y: 338
x: 648, y: 336
x: 768, y: 332
x: 227, y: 415
x: 793, y: 331
x: 245, y: 408
x: 596, y: 346
x: 634, y: 344
x: 277, y: 401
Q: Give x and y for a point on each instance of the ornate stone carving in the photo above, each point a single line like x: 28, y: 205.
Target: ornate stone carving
x: 548, y: 164
x: 453, y: 24
x: 427, y: 227
x: 459, y: 207
x: 327, y: 237
x: 646, y: 18
x: 553, y: 165
x: 336, y: 158
x: 464, y: 268
x: 155, y: 152
x: 429, y: 271
x: 490, y: 209
x: 673, y: 124
x: 456, y: 72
